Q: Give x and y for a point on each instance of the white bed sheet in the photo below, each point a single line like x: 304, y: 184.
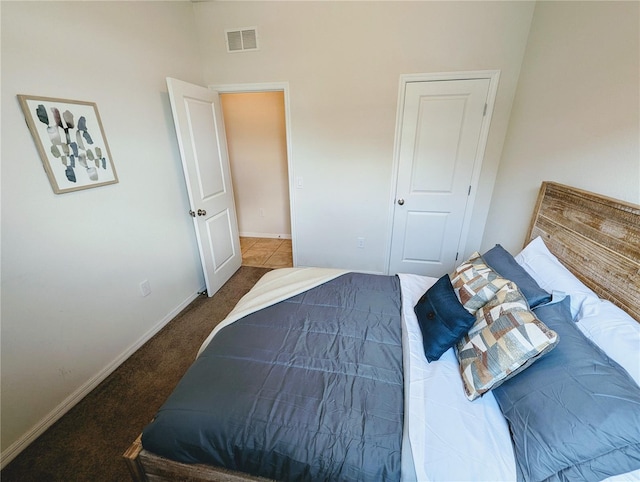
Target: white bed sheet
x: 446, y: 436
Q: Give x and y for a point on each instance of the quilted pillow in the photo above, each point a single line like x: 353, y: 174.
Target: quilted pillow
x: 475, y: 283
x: 505, y: 339
x: 574, y: 415
x: 500, y: 260
x: 442, y: 319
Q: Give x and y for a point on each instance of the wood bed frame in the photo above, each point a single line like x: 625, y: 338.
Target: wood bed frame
x: 595, y: 237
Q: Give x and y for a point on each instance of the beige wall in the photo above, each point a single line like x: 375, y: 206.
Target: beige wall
x: 575, y: 118
x: 257, y: 144
x: 72, y: 263
x: 343, y: 61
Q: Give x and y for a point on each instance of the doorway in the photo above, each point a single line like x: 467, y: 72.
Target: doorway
x: 255, y: 119
x: 266, y: 252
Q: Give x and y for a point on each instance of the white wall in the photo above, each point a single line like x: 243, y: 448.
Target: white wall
x: 72, y: 263
x: 575, y: 118
x: 343, y: 61
x: 257, y: 145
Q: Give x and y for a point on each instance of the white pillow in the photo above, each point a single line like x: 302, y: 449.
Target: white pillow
x: 608, y: 326
x: 613, y: 330
x: 552, y: 275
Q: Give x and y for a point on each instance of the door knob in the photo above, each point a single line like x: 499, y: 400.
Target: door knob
x: 401, y: 201
x: 192, y: 213
x: 202, y: 212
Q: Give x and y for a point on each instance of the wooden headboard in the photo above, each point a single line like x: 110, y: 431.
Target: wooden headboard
x: 596, y: 237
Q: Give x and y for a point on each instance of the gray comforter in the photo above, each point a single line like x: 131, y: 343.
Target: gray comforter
x: 310, y: 388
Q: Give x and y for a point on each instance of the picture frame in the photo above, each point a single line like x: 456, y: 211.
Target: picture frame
x: 71, y: 142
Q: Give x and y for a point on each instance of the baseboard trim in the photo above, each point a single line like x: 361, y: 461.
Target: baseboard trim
x: 265, y: 235
x: 67, y: 404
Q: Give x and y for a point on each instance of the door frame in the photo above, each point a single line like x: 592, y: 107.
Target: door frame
x: 494, y: 77
x: 272, y: 87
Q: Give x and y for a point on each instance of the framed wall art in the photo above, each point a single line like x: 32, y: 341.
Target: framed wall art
x: 71, y: 142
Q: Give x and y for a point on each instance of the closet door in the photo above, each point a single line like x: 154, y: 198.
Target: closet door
x: 439, y: 143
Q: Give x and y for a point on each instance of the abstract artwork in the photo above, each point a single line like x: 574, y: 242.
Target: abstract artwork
x: 71, y: 142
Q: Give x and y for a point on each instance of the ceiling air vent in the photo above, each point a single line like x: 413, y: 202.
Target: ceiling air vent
x: 242, y: 39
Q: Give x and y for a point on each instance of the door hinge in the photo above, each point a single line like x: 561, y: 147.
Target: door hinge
x: 484, y: 112
x: 456, y: 257
x: 469, y: 191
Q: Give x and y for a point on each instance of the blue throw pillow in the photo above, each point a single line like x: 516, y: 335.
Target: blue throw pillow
x: 442, y: 318
x: 574, y: 414
x: 501, y: 261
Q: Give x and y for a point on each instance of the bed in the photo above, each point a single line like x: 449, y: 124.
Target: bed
x: 392, y: 389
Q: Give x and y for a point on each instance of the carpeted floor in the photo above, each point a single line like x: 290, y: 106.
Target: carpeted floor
x: 87, y: 443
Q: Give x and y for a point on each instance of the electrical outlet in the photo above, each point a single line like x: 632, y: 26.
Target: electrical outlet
x: 145, y: 288
x: 361, y: 243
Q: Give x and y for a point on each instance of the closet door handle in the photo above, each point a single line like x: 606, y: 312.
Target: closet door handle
x: 202, y: 212
x: 401, y: 201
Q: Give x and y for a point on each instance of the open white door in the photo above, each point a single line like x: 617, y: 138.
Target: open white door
x: 198, y: 121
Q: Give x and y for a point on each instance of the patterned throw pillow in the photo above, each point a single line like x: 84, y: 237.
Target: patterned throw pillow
x: 505, y: 339
x: 475, y: 283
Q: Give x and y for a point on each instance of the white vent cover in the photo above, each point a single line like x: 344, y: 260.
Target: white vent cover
x: 242, y: 39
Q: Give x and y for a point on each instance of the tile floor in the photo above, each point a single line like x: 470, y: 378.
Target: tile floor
x: 266, y: 252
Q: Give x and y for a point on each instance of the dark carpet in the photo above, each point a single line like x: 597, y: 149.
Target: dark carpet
x: 87, y: 443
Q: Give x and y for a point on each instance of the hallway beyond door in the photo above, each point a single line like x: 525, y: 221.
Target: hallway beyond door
x: 266, y: 252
